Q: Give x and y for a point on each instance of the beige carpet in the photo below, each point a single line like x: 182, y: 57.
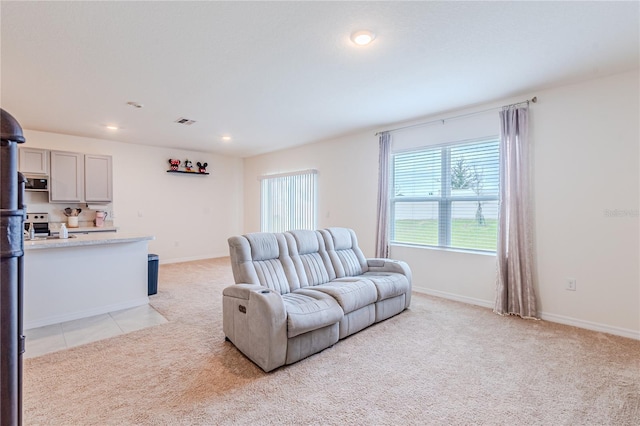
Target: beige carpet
x: 439, y: 363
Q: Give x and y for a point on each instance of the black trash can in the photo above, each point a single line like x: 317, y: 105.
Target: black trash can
x: 154, y: 259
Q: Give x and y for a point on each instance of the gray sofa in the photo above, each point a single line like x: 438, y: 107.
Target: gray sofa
x: 299, y: 292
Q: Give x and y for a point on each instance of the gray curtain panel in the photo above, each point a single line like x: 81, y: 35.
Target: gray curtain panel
x: 514, y: 290
x: 382, y: 227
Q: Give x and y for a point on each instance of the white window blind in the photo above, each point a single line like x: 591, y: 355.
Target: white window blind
x: 288, y: 201
x: 447, y: 196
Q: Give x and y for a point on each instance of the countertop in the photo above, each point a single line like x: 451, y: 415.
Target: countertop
x: 95, y: 238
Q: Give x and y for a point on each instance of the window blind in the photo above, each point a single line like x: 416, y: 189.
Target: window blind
x: 288, y: 201
x: 447, y: 196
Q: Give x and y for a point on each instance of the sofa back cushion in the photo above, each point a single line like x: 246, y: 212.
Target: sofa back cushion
x: 310, y: 257
x: 263, y: 258
x: 345, y: 255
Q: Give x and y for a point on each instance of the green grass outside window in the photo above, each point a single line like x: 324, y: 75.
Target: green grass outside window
x: 465, y: 233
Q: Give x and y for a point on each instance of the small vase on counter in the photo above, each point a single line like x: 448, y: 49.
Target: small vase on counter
x: 72, y: 221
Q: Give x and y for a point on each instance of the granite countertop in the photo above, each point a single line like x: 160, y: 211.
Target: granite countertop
x: 95, y: 238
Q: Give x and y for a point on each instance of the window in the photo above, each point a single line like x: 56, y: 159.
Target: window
x: 447, y: 196
x: 288, y: 201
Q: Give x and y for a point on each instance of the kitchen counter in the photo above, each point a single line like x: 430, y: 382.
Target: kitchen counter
x: 95, y: 238
x: 91, y: 274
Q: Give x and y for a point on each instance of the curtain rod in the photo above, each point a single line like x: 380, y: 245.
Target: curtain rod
x: 442, y: 120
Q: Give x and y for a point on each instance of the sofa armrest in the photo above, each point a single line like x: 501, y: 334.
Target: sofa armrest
x: 389, y: 265
x: 242, y: 291
x: 255, y: 320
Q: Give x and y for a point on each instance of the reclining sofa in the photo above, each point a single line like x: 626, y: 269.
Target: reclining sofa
x: 299, y: 292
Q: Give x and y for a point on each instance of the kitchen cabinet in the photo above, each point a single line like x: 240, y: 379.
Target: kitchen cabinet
x: 80, y: 178
x: 98, y: 179
x: 33, y: 161
x: 66, y: 181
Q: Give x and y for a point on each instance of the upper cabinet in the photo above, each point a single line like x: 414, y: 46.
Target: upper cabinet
x: 79, y: 178
x: 33, y: 161
x: 98, y: 178
x: 66, y: 181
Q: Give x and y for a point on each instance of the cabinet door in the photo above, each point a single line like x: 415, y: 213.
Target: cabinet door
x: 67, y: 177
x: 33, y: 161
x: 98, y: 178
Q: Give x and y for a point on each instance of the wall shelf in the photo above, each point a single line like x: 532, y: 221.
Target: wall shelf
x: 186, y: 172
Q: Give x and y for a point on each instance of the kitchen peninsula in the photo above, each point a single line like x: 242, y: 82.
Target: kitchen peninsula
x: 89, y: 274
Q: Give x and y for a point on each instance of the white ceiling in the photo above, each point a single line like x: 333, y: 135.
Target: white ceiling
x: 278, y: 74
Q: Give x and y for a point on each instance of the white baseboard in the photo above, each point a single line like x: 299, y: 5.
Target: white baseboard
x: 589, y: 325
x: 560, y: 319
x: 191, y: 259
x: 456, y: 297
x: 56, y: 319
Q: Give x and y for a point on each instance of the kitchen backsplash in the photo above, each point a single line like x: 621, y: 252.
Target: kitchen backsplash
x: 38, y: 202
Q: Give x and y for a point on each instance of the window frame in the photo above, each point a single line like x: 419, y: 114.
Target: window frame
x: 445, y: 200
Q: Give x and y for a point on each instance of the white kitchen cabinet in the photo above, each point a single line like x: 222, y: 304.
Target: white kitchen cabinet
x: 33, y: 161
x: 98, y: 179
x: 77, y: 178
x: 66, y: 181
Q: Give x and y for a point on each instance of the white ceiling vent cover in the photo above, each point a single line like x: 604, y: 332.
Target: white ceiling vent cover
x: 185, y: 121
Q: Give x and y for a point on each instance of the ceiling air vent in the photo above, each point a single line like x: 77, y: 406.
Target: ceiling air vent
x: 185, y: 121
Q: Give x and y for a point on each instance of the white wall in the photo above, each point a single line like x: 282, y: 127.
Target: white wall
x: 584, y: 140
x: 347, y: 182
x: 191, y: 216
x: 586, y: 161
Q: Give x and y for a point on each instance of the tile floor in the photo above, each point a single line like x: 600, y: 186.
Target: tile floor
x: 52, y: 338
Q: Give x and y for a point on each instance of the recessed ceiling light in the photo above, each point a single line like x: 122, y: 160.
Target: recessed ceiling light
x: 362, y: 37
x: 226, y: 138
x: 112, y: 127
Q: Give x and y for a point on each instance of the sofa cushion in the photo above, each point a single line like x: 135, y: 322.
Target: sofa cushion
x: 310, y: 312
x: 271, y: 274
x: 350, y: 293
x: 388, y: 284
x: 264, y: 246
x: 306, y: 241
x: 341, y: 238
x: 345, y: 255
x: 263, y: 258
x: 307, y: 250
x: 314, y: 269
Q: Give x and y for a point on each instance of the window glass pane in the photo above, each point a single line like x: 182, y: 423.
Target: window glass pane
x: 474, y: 225
x: 417, y: 174
x: 447, y: 196
x: 416, y: 223
x: 474, y: 169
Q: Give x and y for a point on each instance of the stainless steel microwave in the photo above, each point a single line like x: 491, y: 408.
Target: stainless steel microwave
x: 37, y: 184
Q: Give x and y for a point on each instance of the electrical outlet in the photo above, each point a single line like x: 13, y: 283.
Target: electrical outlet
x: 571, y: 284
